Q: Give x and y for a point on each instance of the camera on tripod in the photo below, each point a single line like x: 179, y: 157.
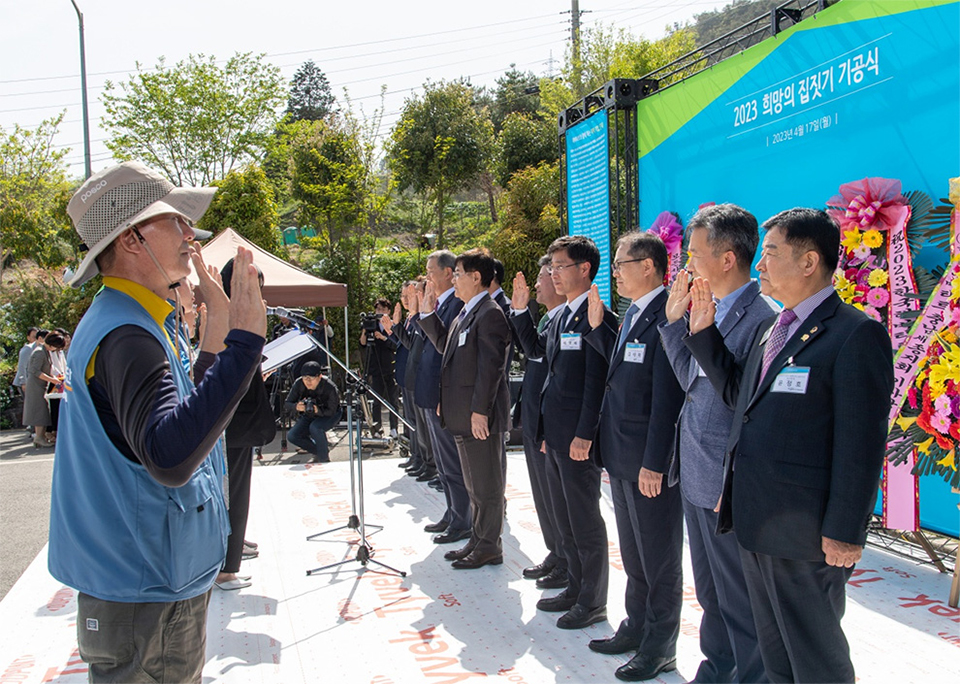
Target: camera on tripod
x: 370, y: 324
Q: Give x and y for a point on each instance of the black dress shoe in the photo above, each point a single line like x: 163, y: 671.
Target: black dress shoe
x: 560, y: 603
x: 426, y: 475
x: 435, y: 483
x: 579, y: 617
x: 405, y: 464
x: 615, y: 645
x: 643, y: 667
x: 415, y: 472
x: 539, y: 570
x: 451, y: 536
x: 436, y: 527
x: 475, y: 560
x: 459, y: 553
x: 557, y: 579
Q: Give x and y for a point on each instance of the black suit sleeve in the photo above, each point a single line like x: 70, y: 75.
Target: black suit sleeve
x: 493, y: 344
x: 595, y: 378
x: 863, y: 383
x: 435, y: 331
x: 719, y: 364
x: 663, y: 412
x: 534, y: 345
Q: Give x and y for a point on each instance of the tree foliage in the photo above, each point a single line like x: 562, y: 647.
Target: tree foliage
x: 530, y: 218
x: 310, y: 96
x: 608, y: 53
x: 511, y: 96
x: 524, y: 141
x: 440, y: 145
x: 245, y: 202
x: 34, y: 192
x: 197, y: 120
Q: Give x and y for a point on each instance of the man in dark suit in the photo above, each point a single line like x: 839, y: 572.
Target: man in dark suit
x: 722, y: 243
x: 807, y: 445
x: 379, y: 358
x: 569, y: 414
x: 455, y: 524
x: 551, y: 573
x: 635, y: 440
x: 395, y: 327
x: 475, y: 400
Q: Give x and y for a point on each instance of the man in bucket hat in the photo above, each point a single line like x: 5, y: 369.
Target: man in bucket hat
x: 138, y: 522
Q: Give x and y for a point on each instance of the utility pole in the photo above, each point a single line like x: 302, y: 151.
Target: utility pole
x: 83, y: 85
x: 575, y: 47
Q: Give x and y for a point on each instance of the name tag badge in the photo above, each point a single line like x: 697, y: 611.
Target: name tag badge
x: 792, y: 380
x: 463, y: 338
x: 570, y: 341
x: 635, y: 352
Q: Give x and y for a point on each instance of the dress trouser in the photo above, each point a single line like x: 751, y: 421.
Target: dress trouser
x: 457, y: 516
x: 651, y: 547
x: 239, y: 473
x: 423, y: 435
x: 728, y: 637
x: 546, y: 515
x: 482, y: 463
x: 386, y: 387
x: 574, y: 491
x: 797, y: 608
x: 410, y: 415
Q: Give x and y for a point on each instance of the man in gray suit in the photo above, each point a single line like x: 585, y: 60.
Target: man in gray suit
x: 474, y: 399
x: 722, y: 243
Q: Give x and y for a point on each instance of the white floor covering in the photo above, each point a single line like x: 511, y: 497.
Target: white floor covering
x: 441, y: 625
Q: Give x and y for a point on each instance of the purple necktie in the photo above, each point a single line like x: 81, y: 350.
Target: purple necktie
x: 778, y: 338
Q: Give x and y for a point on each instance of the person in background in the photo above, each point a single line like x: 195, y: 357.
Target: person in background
x: 20, y: 378
x: 58, y: 369
x: 36, y: 410
x: 380, y: 359
x: 317, y: 403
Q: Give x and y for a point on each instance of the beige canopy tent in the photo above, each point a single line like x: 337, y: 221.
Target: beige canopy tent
x: 284, y: 284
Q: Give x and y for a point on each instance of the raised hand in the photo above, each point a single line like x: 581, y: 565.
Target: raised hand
x: 704, y: 310
x: 679, y: 300
x: 247, y: 310
x: 388, y: 323
x: 215, y: 315
x: 397, y: 315
x: 428, y: 300
x: 521, y: 292
x: 595, y: 308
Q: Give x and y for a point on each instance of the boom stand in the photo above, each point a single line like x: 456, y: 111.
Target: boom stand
x: 356, y: 519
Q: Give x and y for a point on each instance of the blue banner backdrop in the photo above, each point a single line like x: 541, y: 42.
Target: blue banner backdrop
x: 837, y: 98
x: 588, y: 189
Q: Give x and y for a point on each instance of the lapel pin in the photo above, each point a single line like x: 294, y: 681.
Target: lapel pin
x: 814, y: 329
x: 804, y: 338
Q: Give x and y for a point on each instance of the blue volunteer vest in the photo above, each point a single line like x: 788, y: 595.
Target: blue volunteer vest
x: 115, y: 532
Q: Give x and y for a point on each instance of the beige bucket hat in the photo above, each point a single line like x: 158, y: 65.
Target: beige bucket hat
x: 123, y: 196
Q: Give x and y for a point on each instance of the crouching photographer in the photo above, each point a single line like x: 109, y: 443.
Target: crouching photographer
x: 317, y: 404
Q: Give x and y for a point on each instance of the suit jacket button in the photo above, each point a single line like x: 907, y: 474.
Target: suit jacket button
x: 746, y: 419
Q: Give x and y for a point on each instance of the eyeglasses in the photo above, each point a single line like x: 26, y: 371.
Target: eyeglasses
x: 615, y: 266
x: 558, y: 268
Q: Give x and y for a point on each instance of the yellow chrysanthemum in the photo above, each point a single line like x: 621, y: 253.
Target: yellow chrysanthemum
x: 872, y: 239
x: 939, y: 374
x: 877, y: 278
x: 851, y: 238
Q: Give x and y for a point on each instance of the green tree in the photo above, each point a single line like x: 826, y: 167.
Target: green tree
x: 34, y: 191
x: 530, y: 218
x: 517, y: 92
x: 608, y: 53
x: 524, y: 141
x: 310, y: 95
x: 197, y: 120
x: 440, y: 145
x: 327, y: 180
x: 245, y: 202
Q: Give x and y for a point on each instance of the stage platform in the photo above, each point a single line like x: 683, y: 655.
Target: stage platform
x: 369, y: 625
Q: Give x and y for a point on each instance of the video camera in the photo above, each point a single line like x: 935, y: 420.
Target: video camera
x: 370, y: 324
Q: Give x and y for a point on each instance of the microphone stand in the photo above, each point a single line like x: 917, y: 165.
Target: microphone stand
x: 355, y: 387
